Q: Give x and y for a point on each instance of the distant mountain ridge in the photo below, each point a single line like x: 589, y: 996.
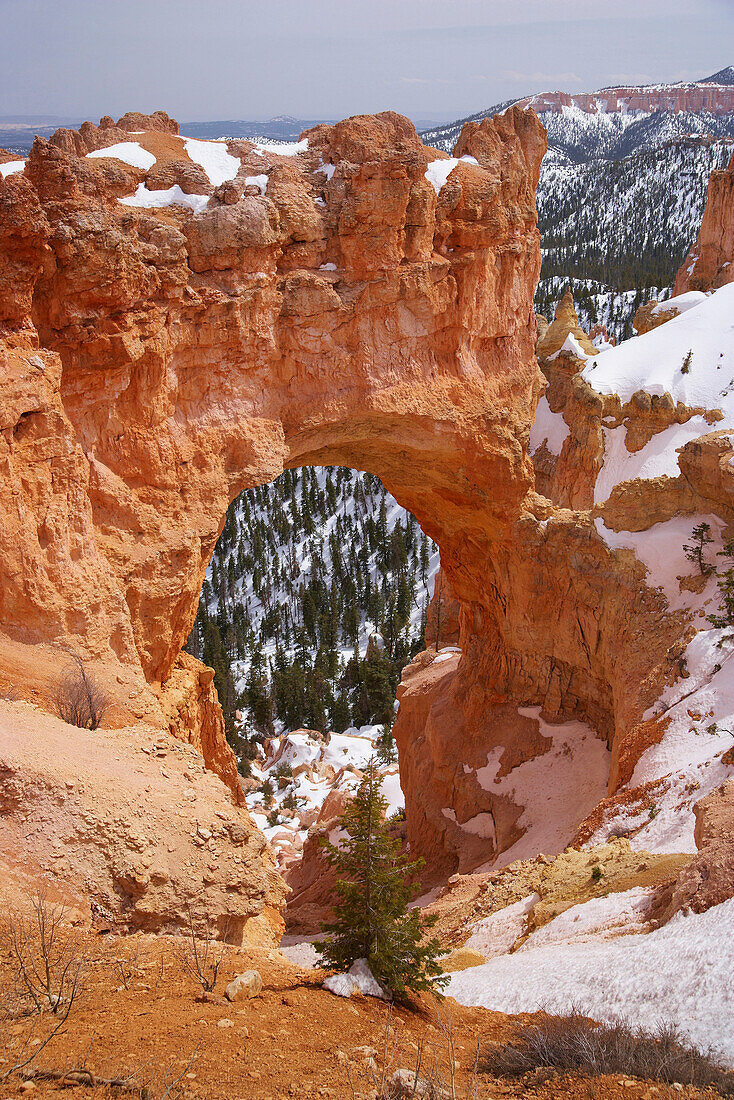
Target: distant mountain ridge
x: 622, y: 187
x: 280, y: 128
x: 613, y: 123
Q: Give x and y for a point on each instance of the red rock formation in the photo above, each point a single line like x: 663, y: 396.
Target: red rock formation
x: 709, y: 877
x: 193, y: 714
x: 710, y: 262
x: 185, y: 358
x: 351, y: 317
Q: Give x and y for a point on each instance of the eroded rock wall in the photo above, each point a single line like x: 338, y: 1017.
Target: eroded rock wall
x: 710, y: 262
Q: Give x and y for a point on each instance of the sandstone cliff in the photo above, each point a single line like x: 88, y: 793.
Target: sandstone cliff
x: 710, y: 262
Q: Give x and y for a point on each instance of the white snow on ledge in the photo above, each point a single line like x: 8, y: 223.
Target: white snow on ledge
x: 438, y: 171
x: 652, y: 362
x: 657, y: 458
x: 10, y: 167
x: 214, y: 157
x: 680, y: 973
x: 570, y: 346
x: 260, y: 181
x: 682, y: 303
x: 129, y: 152
x: 282, y: 148
x: 549, y: 428
x: 173, y: 196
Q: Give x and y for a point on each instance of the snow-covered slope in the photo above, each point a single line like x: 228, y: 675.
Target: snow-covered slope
x: 691, y: 358
x: 679, y: 973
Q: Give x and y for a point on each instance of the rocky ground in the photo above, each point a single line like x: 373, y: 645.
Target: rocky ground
x: 131, y: 823
x: 142, y: 1019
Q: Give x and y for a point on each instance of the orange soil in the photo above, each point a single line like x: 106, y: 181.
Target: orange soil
x: 295, y: 1039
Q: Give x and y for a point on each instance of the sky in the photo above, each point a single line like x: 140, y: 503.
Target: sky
x: 429, y: 59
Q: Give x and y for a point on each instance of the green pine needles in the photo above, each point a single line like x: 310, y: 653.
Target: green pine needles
x: 373, y: 921
x: 725, y: 582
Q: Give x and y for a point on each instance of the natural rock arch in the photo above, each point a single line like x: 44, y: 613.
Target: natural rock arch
x: 355, y: 317
x: 159, y: 362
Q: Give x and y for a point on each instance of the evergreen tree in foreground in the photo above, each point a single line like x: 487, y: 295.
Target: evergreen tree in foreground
x: 373, y: 921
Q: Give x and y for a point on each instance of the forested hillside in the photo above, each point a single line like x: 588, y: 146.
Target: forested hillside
x: 304, y: 572
x: 618, y: 230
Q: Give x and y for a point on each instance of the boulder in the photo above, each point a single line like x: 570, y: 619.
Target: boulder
x: 244, y: 987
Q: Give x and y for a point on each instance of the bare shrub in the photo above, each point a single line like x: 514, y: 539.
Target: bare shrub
x: 80, y: 700
x: 201, y: 955
x: 127, y: 967
x: 44, y: 958
x: 577, y: 1044
x: 427, y: 1071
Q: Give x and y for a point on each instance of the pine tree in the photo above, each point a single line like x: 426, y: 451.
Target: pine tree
x: 725, y: 582
x: 372, y: 918
x: 700, y: 538
x: 387, y: 752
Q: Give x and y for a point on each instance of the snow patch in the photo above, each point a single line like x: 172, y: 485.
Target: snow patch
x: 680, y: 973
x: 10, y: 167
x: 570, y: 346
x: 282, y: 148
x: 359, y: 976
x: 652, y: 362
x: 260, y: 181
x: 549, y: 428
x: 497, y: 933
x: 213, y: 156
x: 129, y: 152
x: 173, y: 196
x: 616, y: 914
x: 681, y: 303
x: 438, y: 171
x: 557, y: 789
x: 658, y: 458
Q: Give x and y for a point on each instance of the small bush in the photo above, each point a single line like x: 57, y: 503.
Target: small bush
x: 80, y: 700
x: 578, y: 1045
x: 596, y: 872
x: 686, y: 366
x: 284, y: 770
